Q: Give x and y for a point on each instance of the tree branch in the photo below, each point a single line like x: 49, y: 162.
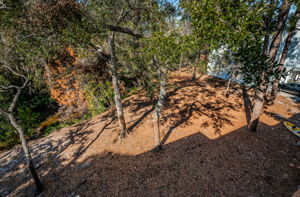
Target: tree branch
x: 100, y: 53
x: 3, y: 112
x: 124, y: 30
x: 8, y: 87
x: 19, y: 89
x: 14, y: 72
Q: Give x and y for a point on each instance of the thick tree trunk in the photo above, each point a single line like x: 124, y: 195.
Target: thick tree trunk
x: 257, y: 108
x: 39, y: 186
x: 157, y: 112
x: 117, y: 94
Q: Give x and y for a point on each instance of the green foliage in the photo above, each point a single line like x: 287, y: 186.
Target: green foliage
x: 99, y: 95
x: 31, y: 111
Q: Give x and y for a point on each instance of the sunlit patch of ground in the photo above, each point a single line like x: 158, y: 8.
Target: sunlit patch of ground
x: 208, y: 150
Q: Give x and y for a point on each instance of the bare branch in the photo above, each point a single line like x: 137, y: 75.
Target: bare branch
x: 9, y: 87
x: 17, y: 95
x: 19, y: 89
x: 3, y: 112
x: 14, y: 72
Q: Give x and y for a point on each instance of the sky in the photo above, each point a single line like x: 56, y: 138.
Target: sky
x: 174, y: 2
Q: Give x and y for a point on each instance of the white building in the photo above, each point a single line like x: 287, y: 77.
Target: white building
x: 218, y: 66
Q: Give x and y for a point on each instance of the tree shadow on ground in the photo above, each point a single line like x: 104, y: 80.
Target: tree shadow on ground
x: 240, y: 163
x: 193, y: 98
x: 237, y: 164
x: 45, y: 153
x: 247, y: 104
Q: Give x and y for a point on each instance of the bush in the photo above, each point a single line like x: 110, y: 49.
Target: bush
x: 99, y: 95
x: 31, y: 111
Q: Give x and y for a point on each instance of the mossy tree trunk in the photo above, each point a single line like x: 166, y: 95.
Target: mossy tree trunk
x: 162, y: 73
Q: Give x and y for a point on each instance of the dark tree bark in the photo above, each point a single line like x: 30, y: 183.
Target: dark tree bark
x: 260, y: 92
x: 282, y: 18
x: 14, y: 122
x: 117, y: 94
x: 157, y: 112
x: 282, y: 59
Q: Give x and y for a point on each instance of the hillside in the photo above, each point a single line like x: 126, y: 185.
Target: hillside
x: 208, y: 151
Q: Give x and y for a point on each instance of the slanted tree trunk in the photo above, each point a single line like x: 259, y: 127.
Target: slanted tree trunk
x: 157, y: 112
x: 280, y: 68
x: 13, y: 121
x: 261, y: 90
x: 282, y: 18
x: 257, y: 107
x: 117, y: 94
x: 30, y: 165
x: 283, y: 57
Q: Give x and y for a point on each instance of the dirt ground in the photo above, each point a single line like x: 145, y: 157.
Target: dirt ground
x: 208, y: 151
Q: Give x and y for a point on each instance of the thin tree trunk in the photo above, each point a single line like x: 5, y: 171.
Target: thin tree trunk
x: 287, y: 44
x: 157, y: 112
x: 261, y: 90
x: 13, y: 121
x: 195, y: 69
x: 181, y: 61
x: 194, y: 72
x: 38, y: 183
x: 280, y: 68
x: 257, y: 108
x: 229, y: 83
x: 117, y: 94
x: 282, y: 18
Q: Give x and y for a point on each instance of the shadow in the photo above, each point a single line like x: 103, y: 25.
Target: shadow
x: 47, y: 152
x: 239, y: 164
x: 185, y: 114
x: 139, y: 120
x: 180, y: 105
x: 247, y: 104
x: 191, y: 166
x: 84, y: 147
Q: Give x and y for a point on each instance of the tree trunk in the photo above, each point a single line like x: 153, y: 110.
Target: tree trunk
x: 283, y: 57
x: 194, y: 72
x: 257, y: 108
x: 282, y: 18
x: 280, y: 68
x: 117, y: 94
x: 229, y: 83
x: 181, y: 61
x: 195, y: 65
x: 39, y: 186
x: 157, y: 112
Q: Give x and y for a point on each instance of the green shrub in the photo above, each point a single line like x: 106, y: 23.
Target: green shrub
x: 99, y: 96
